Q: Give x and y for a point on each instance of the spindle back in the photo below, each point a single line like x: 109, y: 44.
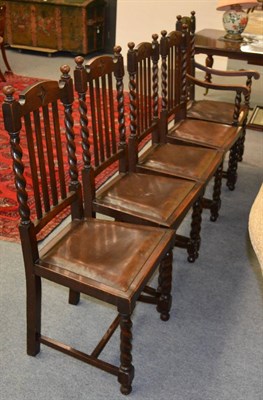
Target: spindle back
x: 46, y: 181
x: 99, y: 85
x: 142, y: 66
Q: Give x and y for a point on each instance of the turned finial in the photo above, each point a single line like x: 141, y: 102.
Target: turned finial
x: 9, y: 91
x: 65, y: 69
x: 131, y: 45
x: 117, y: 49
x: 79, y: 60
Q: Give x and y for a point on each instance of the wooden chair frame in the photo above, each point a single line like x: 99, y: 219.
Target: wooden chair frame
x: 118, y: 198
x: 234, y: 114
x: 110, y: 261
x: 146, y: 119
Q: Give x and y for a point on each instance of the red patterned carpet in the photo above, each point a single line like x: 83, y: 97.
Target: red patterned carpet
x: 9, y: 217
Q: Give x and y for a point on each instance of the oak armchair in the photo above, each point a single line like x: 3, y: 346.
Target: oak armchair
x: 181, y: 128
x: 232, y: 113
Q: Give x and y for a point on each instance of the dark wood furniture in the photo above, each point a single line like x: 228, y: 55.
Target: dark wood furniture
x: 175, y: 160
x: 2, y: 40
x: 106, y: 260
x: 211, y: 43
x: 214, y: 110
x: 56, y: 25
x: 193, y: 131
x: 219, y: 136
x: 148, y: 199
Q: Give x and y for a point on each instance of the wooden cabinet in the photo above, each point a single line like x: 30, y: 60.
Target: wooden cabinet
x: 56, y: 25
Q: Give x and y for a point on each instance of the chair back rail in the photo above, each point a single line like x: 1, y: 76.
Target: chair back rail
x: 103, y: 133
x: 190, y: 23
x: 173, y: 50
x: 108, y: 140
x: 142, y: 66
x: 32, y: 122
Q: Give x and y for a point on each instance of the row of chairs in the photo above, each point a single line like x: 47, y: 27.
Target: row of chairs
x: 154, y: 183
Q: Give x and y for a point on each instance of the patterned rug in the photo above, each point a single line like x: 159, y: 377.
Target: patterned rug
x: 9, y: 217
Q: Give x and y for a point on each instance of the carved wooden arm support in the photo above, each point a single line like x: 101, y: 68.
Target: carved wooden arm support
x: 236, y: 88
x: 211, y: 71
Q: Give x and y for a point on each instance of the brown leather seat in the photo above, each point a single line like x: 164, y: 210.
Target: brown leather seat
x: 107, y: 260
x: 125, y: 248
x: 130, y: 196
x: 205, y: 133
x: 160, y: 200
x: 194, y: 163
x: 215, y: 111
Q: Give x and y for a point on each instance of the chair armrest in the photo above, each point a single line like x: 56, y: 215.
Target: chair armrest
x: 211, y: 71
x: 236, y: 88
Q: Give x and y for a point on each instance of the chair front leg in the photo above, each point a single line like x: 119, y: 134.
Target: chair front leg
x: 242, y: 142
x: 216, y: 202
x: 33, y: 314
x: 126, y: 370
x: 73, y: 297
x: 164, y: 287
x: 195, y: 238
x: 231, y: 174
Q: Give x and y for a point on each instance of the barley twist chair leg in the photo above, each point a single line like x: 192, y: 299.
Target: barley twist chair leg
x: 242, y: 144
x: 232, y: 166
x: 195, y: 238
x: 164, y: 288
x: 216, y: 203
x: 126, y: 370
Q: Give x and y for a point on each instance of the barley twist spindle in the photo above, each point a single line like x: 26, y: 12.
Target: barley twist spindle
x: 133, y: 97
x: 120, y: 95
x: 16, y: 152
x: 184, y: 62
x: 69, y: 123
x: 84, y: 122
x: 155, y: 80
x: 163, y: 49
x: 237, y: 108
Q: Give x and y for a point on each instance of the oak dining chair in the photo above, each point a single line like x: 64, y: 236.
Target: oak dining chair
x: 148, y: 199
x: 106, y: 260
